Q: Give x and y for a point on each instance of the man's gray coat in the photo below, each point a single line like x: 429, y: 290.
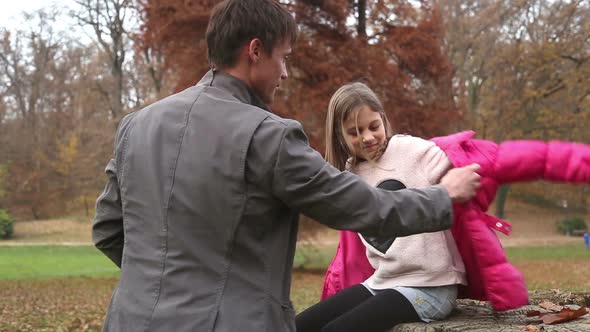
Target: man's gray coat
x: 201, y: 206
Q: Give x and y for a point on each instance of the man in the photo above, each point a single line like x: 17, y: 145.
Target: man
x: 201, y: 206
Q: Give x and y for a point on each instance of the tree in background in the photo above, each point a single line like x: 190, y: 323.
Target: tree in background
x: 61, y: 96
x: 393, y: 46
x: 511, y: 69
x: 26, y: 61
x: 396, y: 47
x: 172, y: 38
x: 109, y: 21
x: 50, y: 95
x: 522, y: 67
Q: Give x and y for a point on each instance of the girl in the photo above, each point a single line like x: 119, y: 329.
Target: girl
x: 419, y: 277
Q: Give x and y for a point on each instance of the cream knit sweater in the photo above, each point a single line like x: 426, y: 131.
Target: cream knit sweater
x: 423, y: 260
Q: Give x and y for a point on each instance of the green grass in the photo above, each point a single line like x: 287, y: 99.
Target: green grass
x: 30, y: 262
x: 38, y: 262
x: 313, y: 258
x: 564, y: 252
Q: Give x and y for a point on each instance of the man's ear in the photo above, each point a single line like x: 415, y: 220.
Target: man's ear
x: 255, y: 50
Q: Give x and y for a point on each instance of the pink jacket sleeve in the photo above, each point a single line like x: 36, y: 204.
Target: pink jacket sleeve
x: 557, y: 161
x: 349, y: 267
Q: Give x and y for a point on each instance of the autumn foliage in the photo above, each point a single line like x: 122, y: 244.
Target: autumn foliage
x: 507, y: 69
x: 557, y: 314
x: 399, y: 54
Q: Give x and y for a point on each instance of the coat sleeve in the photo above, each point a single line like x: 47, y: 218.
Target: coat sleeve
x: 107, y: 229
x: 557, y: 161
x: 303, y: 180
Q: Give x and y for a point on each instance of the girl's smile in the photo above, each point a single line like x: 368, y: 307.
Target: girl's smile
x: 364, y: 132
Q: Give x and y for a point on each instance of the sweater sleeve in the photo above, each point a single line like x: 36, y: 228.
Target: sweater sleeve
x: 436, y: 164
x: 424, y: 156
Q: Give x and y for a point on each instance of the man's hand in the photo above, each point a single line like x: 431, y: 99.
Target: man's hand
x: 462, y: 183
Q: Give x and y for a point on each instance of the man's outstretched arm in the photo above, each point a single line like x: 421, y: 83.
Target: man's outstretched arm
x: 341, y: 200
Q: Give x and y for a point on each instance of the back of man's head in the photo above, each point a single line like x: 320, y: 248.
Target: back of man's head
x: 234, y: 23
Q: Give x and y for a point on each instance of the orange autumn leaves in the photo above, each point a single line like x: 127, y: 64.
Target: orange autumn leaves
x: 557, y: 314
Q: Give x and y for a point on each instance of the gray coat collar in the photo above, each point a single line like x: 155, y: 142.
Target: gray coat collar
x: 233, y: 85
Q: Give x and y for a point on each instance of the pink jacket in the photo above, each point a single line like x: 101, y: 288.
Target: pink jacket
x: 490, y: 276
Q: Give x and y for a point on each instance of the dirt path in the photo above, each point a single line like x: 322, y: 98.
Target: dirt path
x: 63, y: 231
x: 532, y: 226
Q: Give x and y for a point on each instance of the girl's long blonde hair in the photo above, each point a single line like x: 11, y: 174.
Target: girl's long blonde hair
x: 344, y: 102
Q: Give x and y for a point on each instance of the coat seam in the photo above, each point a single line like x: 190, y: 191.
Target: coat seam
x: 221, y: 289
x: 158, y: 289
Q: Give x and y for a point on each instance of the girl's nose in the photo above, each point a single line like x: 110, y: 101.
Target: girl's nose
x: 367, y: 139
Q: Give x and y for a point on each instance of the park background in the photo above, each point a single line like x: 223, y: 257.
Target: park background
x: 69, y: 72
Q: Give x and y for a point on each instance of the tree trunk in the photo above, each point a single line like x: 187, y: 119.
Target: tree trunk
x: 476, y: 316
x: 362, y: 18
x: 86, y: 207
x: 501, y: 200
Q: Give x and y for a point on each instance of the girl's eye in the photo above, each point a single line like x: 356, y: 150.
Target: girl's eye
x: 353, y: 134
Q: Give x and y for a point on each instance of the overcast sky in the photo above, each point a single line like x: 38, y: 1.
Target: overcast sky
x: 11, y: 17
x: 11, y: 10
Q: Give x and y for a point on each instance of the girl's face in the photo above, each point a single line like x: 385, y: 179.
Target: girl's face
x: 365, y: 142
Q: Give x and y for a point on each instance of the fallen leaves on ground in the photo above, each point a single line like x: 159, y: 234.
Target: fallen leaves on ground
x: 565, y: 315
x: 61, y: 305
x: 558, y: 314
x: 550, y: 306
x: 79, y: 304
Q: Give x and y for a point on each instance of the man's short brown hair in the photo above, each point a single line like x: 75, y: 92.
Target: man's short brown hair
x: 235, y: 22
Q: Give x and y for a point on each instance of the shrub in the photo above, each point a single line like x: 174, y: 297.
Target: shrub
x: 6, y: 225
x: 572, y: 226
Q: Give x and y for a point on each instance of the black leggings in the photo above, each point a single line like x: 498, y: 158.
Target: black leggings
x: 355, y: 309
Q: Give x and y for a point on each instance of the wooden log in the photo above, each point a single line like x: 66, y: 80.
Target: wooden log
x: 477, y: 316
